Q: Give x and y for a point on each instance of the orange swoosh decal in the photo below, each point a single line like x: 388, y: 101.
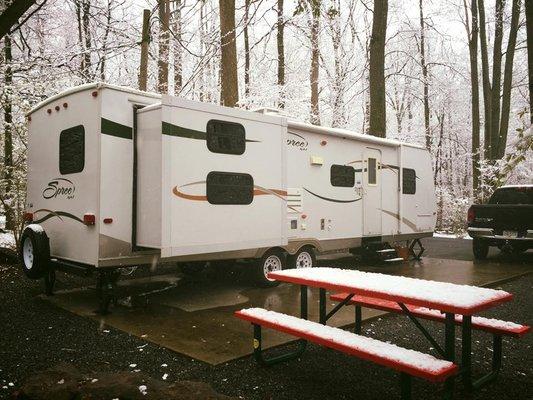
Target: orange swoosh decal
x: 188, y: 196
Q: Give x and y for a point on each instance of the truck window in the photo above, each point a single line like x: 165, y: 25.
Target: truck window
x: 72, y: 150
x: 225, y: 137
x: 409, y: 181
x: 342, y: 175
x: 372, y: 171
x: 514, y: 195
x: 229, y: 188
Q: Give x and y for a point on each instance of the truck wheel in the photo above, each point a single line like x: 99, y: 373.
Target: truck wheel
x: 272, y: 261
x: 304, y: 258
x: 34, y: 252
x: 480, y: 248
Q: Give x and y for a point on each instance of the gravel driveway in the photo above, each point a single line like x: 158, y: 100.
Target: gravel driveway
x: 35, y: 335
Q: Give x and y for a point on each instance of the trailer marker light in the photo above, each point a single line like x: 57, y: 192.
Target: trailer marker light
x: 94, y: 94
x: 57, y: 108
x: 323, y: 142
x: 304, y: 216
x: 89, y: 219
x: 471, y: 216
x: 65, y: 105
x: 108, y: 220
x: 28, y: 217
x: 49, y: 111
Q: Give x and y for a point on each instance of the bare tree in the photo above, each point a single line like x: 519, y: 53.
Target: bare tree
x: 529, y: 28
x: 280, y: 41
x: 177, y: 52
x: 377, y: 69
x: 472, y: 34
x: 315, y: 55
x: 229, y: 95
x: 8, y: 131
x: 246, y: 48
x: 164, y: 36
x: 425, y: 78
x: 508, y: 80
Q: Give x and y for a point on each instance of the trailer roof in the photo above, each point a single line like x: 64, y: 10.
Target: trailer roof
x: 89, y: 86
x: 344, y: 133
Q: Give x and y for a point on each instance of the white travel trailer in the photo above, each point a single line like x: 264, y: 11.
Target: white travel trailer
x: 118, y: 177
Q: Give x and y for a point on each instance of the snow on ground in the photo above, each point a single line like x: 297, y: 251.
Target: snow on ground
x: 7, y: 240
x: 451, y: 235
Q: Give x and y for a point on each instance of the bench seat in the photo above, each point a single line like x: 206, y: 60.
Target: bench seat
x: 407, y: 361
x: 494, y: 326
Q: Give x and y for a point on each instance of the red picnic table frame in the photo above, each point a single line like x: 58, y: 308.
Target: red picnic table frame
x: 448, y: 304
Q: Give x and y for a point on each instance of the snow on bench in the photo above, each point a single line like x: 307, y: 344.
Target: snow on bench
x: 491, y: 325
x: 444, y: 296
x: 408, y: 361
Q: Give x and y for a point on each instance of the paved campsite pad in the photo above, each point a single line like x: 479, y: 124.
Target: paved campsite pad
x: 196, y: 318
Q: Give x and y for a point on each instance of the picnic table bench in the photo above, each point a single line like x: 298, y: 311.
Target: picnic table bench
x: 457, y: 304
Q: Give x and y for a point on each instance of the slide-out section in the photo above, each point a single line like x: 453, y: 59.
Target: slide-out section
x: 209, y: 179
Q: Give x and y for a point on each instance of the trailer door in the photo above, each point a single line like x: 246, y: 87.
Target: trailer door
x: 372, y: 192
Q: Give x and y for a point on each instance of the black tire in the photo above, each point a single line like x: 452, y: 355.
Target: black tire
x: 34, y: 252
x: 303, y: 258
x: 272, y: 260
x: 518, y: 248
x: 480, y: 248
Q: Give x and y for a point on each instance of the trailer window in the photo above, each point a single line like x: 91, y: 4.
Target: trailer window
x: 372, y: 171
x: 409, y: 181
x: 225, y: 137
x: 229, y: 188
x: 342, y: 175
x: 72, y: 150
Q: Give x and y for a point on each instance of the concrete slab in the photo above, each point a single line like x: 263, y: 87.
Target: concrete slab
x: 196, y: 318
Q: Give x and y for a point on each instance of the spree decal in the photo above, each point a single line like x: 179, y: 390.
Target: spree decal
x: 297, y: 141
x: 59, y: 187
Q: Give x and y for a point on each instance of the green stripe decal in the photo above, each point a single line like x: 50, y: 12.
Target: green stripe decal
x: 178, y: 131
x: 111, y: 128
x: 173, y: 130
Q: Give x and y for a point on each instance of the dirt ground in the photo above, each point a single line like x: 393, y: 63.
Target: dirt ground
x: 35, y: 335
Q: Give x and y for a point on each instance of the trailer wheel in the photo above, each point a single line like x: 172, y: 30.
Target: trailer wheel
x: 480, y: 248
x: 273, y: 260
x: 34, y: 253
x: 304, y: 258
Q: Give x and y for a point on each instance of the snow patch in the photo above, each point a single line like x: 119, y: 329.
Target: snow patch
x: 7, y: 240
x: 36, y: 228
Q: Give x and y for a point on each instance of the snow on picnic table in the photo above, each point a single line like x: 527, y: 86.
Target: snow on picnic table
x: 444, y: 293
x: 365, y: 344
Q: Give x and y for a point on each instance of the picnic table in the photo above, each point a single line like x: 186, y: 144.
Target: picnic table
x: 457, y: 304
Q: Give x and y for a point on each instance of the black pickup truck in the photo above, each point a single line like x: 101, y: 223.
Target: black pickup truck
x: 506, y: 221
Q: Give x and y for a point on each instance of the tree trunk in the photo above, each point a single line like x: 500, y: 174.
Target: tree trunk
x: 145, y: 43
x: 338, y: 118
x: 83, y: 9
x: 162, y: 62
x: 315, y: 54
x: 425, y: 77
x: 178, y: 77
x: 246, y: 49
x: 8, y: 134
x: 229, y: 95
x: 496, y: 79
x: 529, y: 28
x: 377, y: 125
x: 103, y: 59
x: 473, y: 33
x: 508, y: 80
x: 487, y: 97
x: 281, y: 55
